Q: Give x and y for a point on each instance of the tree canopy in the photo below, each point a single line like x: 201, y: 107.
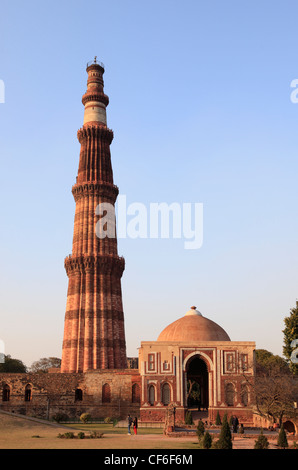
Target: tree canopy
x: 291, y: 334
x: 12, y: 365
x: 44, y: 364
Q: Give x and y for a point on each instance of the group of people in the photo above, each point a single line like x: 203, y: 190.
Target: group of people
x: 132, y: 423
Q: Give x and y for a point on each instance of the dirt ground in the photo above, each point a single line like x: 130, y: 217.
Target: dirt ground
x: 20, y: 433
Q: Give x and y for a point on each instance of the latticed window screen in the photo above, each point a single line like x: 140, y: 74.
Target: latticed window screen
x: 166, y: 394
x: 151, y: 393
x: 244, y: 395
x: 230, y: 394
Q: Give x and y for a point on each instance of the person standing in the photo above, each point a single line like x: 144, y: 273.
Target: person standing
x: 135, y: 425
x: 235, y: 424
x: 129, y: 423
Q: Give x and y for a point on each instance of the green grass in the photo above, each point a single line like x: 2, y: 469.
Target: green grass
x: 110, y: 429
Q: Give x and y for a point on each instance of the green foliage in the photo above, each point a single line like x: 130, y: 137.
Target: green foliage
x: 200, y: 429
x: 282, y: 438
x: 225, y: 437
x: 58, y: 417
x: 107, y: 420
x: 268, y: 363
x: 261, y: 442
x: 85, y: 417
x: 218, y: 420
x: 80, y: 435
x: 96, y: 435
x: 290, y: 333
x: 207, y: 441
x: 12, y: 365
x: 188, y: 418
x: 44, y: 364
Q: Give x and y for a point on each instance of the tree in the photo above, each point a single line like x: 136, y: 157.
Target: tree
x: 261, y: 442
x: 275, y: 388
x: 200, y: 429
x: 12, y: 365
x: 217, y: 419
x: 282, y: 438
x: 193, y: 391
x: 45, y: 363
x: 207, y: 441
x: 268, y: 363
x: 290, y: 334
x: 188, y: 418
x: 225, y: 437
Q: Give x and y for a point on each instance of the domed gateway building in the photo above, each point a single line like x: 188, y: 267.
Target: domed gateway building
x: 193, y: 364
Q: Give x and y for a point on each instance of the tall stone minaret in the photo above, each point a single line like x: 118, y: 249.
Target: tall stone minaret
x: 94, y: 336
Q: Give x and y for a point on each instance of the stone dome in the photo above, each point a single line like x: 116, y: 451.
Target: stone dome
x: 193, y: 327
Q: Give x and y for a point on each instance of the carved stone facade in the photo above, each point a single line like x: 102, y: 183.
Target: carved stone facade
x: 94, y: 335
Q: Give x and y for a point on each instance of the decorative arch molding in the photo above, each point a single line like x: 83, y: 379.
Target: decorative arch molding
x: 201, y: 355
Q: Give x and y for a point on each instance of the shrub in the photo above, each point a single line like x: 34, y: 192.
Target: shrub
x: 200, y: 429
x: 225, y: 437
x: 85, y: 417
x: 282, y: 438
x: 95, y: 435
x: 218, y: 420
x: 58, y: 417
x: 69, y: 435
x: 188, y: 418
x: 261, y: 442
x: 107, y: 420
x: 81, y: 435
x: 207, y: 441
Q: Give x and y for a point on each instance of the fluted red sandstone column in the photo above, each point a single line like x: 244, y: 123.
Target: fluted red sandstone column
x: 94, y: 336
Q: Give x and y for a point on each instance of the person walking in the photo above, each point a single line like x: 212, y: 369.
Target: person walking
x: 129, y: 423
x: 235, y: 424
x: 135, y: 425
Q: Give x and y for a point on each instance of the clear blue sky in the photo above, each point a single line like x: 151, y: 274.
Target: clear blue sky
x: 201, y: 111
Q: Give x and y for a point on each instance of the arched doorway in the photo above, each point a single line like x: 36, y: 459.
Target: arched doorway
x: 197, y: 392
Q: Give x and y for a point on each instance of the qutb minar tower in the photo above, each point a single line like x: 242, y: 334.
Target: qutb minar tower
x: 94, y: 336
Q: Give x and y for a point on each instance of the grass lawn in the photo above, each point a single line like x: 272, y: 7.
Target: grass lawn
x: 19, y: 433
x: 110, y: 429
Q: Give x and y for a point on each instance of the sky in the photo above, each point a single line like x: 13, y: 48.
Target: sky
x: 201, y: 109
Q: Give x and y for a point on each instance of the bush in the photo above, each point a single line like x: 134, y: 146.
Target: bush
x: 207, y: 441
x: 225, y: 437
x: 107, y: 420
x: 218, y: 420
x: 81, y: 435
x: 200, y: 429
x: 282, y: 438
x: 261, y: 442
x: 85, y: 417
x: 58, y: 417
x: 95, y: 435
x: 188, y: 418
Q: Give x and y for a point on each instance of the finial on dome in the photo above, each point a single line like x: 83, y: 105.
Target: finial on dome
x: 193, y: 311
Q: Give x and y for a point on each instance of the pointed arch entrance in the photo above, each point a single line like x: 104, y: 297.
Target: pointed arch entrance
x: 197, y: 390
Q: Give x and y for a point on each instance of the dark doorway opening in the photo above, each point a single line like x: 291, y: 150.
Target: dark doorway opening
x: 197, y: 384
